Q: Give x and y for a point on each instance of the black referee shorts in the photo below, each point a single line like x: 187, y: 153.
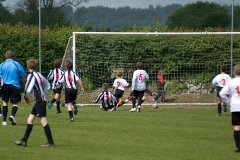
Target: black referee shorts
x: 11, y: 92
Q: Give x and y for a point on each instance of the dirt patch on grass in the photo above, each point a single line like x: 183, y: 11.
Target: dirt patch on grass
x: 88, y: 97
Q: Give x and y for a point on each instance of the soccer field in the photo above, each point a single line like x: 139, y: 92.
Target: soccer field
x: 168, y: 133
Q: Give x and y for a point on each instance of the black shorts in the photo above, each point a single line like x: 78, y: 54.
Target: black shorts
x: 235, y: 118
x: 39, y: 109
x: 70, y: 95
x: 138, y: 94
x: 57, y: 91
x: 218, y: 91
x: 118, y: 93
x: 11, y: 92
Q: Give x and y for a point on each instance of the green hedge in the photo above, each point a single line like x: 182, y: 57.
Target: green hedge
x: 102, y: 53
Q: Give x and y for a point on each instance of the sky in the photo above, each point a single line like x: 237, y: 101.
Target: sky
x: 135, y: 3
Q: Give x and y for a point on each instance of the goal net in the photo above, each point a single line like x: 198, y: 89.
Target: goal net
x: 190, y: 59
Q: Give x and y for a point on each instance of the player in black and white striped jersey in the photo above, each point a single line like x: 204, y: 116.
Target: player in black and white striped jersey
x: 55, y: 75
x: 39, y: 86
x: 106, y: 97
x: 71, y: 78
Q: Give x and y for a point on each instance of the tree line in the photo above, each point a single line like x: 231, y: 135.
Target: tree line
x: 199, y: 15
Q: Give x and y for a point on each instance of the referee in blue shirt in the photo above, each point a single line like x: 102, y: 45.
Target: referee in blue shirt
x: 11, y: 73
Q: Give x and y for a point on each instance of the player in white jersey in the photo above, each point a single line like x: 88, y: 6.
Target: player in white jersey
x: 232, y: 89
x: 55, y: 75
x: 106, y: 97
x: 220, y: 81
x: 71, y: 80
x: 119, y: 85
x: 139, y: 78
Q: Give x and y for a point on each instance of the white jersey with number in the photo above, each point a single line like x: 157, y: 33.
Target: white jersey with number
x: 139, y: 78
x: 221, y: 80
x: 120, y: 83
x: 233, y: 90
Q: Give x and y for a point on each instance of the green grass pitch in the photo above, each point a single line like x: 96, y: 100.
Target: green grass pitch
x: 166, y: 133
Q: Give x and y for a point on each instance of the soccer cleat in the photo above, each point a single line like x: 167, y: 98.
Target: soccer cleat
x: 49, y: 104
x: 71, y: 119
x: 139, y: 109
x: 237, y: 150
x: 219, y: 114
x: 0, y: 114
x: 101, y: 107
x: 120, y: 102
x: 132, y: 110
x: 154, y: 94
x: 224, y: 107
x: 21, y: 143
x: 4, y: 123
x: 113, y: 109
x: 75, y: 110
x: 154, y: 102
x: 48, y: 145
x: 57, y: 111
x: 12, y: 119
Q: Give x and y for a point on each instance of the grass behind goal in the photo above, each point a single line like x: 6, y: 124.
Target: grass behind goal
x: 169, y: 132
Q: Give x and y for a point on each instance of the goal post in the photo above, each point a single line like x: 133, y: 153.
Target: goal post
x: 190, y: 59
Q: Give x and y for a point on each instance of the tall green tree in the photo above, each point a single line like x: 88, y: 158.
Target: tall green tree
x: 5, y: 15
x: 52, y: 11
x: 200, y: 15
x: 236, y: 18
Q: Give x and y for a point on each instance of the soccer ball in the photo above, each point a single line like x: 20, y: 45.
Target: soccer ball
x: 155, y: 105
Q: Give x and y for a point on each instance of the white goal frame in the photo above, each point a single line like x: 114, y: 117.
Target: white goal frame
x: 72, y: 46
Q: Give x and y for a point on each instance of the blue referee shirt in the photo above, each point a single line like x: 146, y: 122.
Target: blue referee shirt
x: 11, y: 71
